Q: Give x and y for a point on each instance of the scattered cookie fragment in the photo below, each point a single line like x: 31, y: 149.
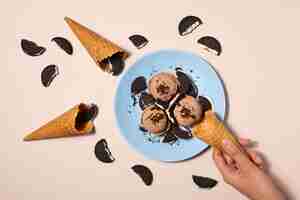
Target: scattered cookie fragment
x: 187, y: 85
x: 116, y: 64
x: 48, y: 74
x: 86, y: 113
x: 64, y: 44
x: 204, y: 182
x: 94, y: 110
x: 102, y: 152
x: 206, y: 105
x: 138, y: 41
x: 144, y: 173
x: 211, y: 44
x: 138, y: 85
x: 188, y: 24
x: 31, y: 48
x: 180, y: 132
x: 146, y: 100
x: 169, y: 138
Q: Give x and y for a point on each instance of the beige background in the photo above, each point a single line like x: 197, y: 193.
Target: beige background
x: 260, y: 66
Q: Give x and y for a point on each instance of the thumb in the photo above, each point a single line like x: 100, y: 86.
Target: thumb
x: 237, y: 154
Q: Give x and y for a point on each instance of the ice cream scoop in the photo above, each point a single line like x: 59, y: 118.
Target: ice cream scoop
x: 163, y: 86
x: 154, y: 119
x: 188, y: 111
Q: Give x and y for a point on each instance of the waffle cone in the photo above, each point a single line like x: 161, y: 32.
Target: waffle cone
x: 212, y: 131
x: 98, y: 47
x: 62, y: 126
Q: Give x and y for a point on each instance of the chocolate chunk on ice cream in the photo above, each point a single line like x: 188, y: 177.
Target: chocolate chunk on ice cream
x: 154, y: 119
x: 163, y: 86
x: 188, y: 111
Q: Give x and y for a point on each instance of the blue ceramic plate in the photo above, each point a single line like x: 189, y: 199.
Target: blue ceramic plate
x: 128, y: 116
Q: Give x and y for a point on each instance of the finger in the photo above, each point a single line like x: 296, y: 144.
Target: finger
x: 237, y: 154
x: 221, y: 163
x: 256, y: 158
x: 244, y: 141
x: 228, y: 159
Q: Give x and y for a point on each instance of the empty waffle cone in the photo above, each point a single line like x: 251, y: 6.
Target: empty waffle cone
x: 99, y: 48
x: 66, y: 125
x: 212, y: 131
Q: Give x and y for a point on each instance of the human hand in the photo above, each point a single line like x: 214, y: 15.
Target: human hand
x: 243, y: 169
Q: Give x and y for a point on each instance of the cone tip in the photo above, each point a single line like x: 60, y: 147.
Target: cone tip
x: 27, y: 138
x: 67, y: 19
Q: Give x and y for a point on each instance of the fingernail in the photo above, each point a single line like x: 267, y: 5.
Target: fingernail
x: 225, y: 143
x: 258, y: 159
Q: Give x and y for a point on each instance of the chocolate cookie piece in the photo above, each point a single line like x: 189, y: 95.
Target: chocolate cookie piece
x: 211, y: 44
x: 102, y: 152
x: 138, y: 85
x: 138, y: 41
x: 48, y: 74
x: 116, y: 64
x: 85, y: 114
x: 93, y: 110
x: 31, y: 48
x: 146, y: 100
x: 144, y: 173
x: 188, y: 24
x: 180, y: 132
x: 206, y: 105
x: 204, y: 182
x: 169, y: 138
x: 187, y: 85
x: 64, y: 44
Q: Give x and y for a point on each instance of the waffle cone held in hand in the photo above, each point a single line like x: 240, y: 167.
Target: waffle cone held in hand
x: 97, y: 46
x: 64, y: 125
x: 212, y: 131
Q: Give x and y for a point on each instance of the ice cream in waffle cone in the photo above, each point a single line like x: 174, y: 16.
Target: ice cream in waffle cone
x: 212, y: 131
x: 98, y: 47
x: 74, y: 122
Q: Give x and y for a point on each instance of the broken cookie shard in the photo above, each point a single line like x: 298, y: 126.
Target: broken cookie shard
x: 206, y: 104
x: 138, y: 41
x: 188, y: 24
x: 31, y: 48
x: 48, y: 74
x: 144, y: 173
x: 211, y: 44
x: 64, y: 44
x: 98, y: 47
x: 138, y: 85
x: 146, y: 100
x: 204, y: 182
x: 64, y: 125
x: 102, y: 152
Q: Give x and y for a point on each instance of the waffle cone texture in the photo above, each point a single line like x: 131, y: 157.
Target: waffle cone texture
x: 212, y: 131
x: 98, y: 47
x: 62, y: 126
